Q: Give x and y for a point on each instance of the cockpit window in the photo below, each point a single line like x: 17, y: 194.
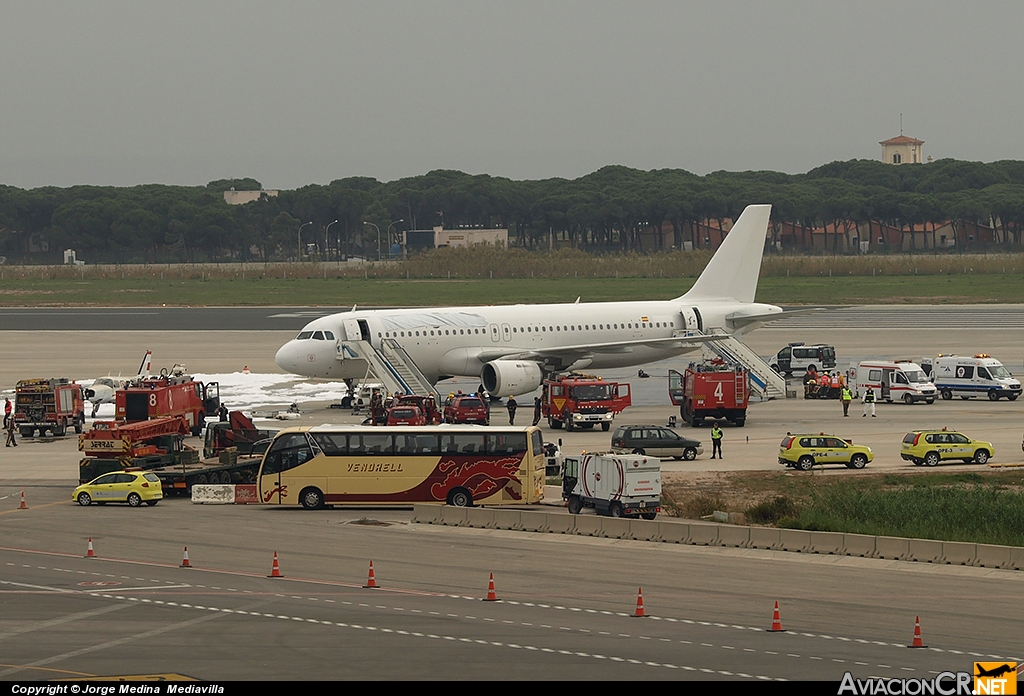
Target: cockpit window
x: 303, y: 335
x: 329, y: 335
x: 318, y: 335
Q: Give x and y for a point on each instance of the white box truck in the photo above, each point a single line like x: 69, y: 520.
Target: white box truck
x: 898, y: 380
x: 615, y: 485
x: 977, y: 375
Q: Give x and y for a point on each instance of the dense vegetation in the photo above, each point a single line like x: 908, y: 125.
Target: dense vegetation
x: 606, y: 210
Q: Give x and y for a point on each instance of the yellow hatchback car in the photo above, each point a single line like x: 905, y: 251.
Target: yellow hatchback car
x: 929, y: 447
x: 132, y: 487
x: 804, y: 451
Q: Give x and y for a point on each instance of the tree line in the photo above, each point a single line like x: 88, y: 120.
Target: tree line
x: 608, y: 210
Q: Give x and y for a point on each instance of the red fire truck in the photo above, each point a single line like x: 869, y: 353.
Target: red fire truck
x: 711, y: 389
x: 48, y: 404
x: 583, y: 401
x: 168, y: 395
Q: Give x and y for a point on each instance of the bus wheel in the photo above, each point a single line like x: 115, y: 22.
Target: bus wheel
x: 312, y: 498
x: 460, y: 497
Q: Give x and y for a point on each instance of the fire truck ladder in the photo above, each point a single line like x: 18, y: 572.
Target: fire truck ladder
x: 765, y: 381
x: 391, y: 365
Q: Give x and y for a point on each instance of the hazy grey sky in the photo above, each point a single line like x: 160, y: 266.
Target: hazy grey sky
x: 105, y: 92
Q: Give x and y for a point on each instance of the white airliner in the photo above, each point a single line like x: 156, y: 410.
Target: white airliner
x: 512, y: 347
x: 103, y: 389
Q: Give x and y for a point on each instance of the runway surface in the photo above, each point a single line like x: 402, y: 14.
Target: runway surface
x: 565, y: 611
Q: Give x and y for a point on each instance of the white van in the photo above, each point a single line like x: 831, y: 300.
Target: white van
x: 978, y: 375
x: 899, y: 380
x: 798, y: 357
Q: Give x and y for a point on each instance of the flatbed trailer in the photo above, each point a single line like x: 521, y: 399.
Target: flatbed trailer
x: 178, y: 479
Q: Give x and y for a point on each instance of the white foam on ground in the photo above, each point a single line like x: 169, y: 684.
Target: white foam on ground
x: 248, y: 392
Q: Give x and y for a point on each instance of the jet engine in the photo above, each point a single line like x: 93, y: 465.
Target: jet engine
x: 510, y: 377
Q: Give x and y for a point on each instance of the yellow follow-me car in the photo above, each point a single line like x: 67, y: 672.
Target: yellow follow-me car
x: 929, y: 447
x: 129, y: 486
x: 804, y: 451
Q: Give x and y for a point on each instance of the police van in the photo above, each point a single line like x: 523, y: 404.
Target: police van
x: 898, y: 380
x: 978, y: 375
x: 798, y: 357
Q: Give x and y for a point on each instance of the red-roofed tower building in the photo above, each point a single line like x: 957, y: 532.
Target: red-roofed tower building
x: 902, y: 150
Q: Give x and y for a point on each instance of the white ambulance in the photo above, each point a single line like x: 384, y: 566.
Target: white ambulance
x: 898, y: 380
x: 978, y: 375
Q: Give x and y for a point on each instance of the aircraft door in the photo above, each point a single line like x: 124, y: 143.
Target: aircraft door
x: 352, y: 331
x: 693, y: 320
x: 506, y: 333
x: 495, y: 336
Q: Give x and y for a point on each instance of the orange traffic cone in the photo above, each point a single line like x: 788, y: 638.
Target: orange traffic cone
x: 918, y: 642
x: 23, y: 506
x: 371, y: 581
x: 491, y: 595
x: 184, y: 560
x: 89, y: 552
x: 275, y: 572
x: 776, y: 621
x: 639, y: 603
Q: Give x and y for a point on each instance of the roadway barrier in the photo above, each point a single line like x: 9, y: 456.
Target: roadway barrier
x: 924, y: 550
x: 859, y: 545
x: 615, y: 527
x: 798, y: 540
x: 673, y: 532
x: 533, y: 521
x: 993, y: 556
x: 504, y: 518
x: 733, y: 535
x: 892, y: 548
x: 827, y: 542
x: 589, y: 525
x: 959, y: 553
x: 426, y: 514
x: 702, y: 533
x: 562, y: 524
x: 479, y: 517
x: 222, y: 494
x: 765, y: 538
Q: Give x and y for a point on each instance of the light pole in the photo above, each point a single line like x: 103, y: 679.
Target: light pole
x: 298, y: 258
x: 327, y: 235
x: 378, y: 236
x: 389, y: 237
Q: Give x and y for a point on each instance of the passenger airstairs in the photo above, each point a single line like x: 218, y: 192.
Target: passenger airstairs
x: 391, y: 365
x: 763, y: 379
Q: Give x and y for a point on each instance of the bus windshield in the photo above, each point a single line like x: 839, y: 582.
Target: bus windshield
x: 402, y: 465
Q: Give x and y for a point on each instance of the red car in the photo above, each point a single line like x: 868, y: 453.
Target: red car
x: 466, y: 409
x: 406, y: 414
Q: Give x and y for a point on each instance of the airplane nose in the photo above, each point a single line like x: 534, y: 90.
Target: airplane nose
x: 285, y: 357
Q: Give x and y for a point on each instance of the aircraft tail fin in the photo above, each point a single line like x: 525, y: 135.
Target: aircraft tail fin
x: 147, y: 364
x: 733, y: 271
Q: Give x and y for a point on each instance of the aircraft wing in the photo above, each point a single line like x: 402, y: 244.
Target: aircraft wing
x: 739, y: 319
x: 571, y: 353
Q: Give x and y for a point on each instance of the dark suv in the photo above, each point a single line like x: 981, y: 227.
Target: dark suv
x: 654, y: 440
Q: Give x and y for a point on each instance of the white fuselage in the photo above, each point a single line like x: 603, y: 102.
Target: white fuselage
x: 458, y: 341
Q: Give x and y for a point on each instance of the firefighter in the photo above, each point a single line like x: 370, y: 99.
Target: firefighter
x: 512, y: 406
x: 223, y: 413
x: 716, y: 441
x: 7, y: 411
x: 11, y: 442
x: 536, y: 410
x: 869, y: 400
x: 846, y: 396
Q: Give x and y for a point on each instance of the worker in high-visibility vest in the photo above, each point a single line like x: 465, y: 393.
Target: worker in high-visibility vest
x: 846, y: 396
